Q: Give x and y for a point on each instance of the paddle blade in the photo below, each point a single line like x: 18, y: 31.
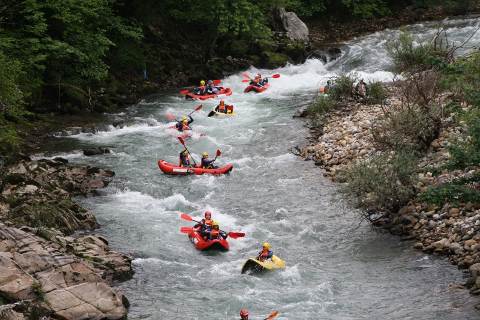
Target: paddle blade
x: 275, y: 76
x: 272, y: 315
x: 170, y: 116
x: 211, y: 113
x: 186, y: 229
x: 182, y: 141
x: 219, y: 153
x: 184, y: 91
x: 185, y: 216
x: 245, y: 80
x: 235, y: 235
x: 215, y: 82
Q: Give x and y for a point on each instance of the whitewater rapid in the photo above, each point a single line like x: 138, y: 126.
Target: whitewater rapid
x: 335, y: 268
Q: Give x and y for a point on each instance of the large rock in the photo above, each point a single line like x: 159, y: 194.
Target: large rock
x: 295, y: 29
x: 60, y: 282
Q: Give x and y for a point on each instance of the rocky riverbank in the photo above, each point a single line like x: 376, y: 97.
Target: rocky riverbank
x: 345, y: 137
x: 46, y: 268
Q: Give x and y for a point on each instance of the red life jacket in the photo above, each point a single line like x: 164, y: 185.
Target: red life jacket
x: 214, y: 234
x: 221, y: 108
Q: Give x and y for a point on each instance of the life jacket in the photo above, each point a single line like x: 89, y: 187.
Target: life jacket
x: 214, y: 234
x: 221, y: 108
x: 184, y: 160
x: 208, y: 222
x: 185, y: 127
x: 265, y: 254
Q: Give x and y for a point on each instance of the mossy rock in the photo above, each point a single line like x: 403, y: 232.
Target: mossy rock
x: 255, y: 60
x: 295, y: 50
x: 274, y: 60
x: 266, y: 45
x: 239, y: 48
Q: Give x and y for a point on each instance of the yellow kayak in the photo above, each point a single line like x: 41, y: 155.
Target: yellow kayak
x: 253, y: 265
x: 221, y: 114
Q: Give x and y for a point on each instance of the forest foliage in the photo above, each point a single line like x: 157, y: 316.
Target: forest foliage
x: 62, y: 56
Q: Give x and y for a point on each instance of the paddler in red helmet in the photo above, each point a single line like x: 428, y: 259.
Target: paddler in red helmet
x: 205, y: 225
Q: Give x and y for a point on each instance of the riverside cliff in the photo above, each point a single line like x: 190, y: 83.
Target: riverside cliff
x: 46, y: 268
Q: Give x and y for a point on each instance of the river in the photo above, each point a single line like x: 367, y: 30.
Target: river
x: 336, y: 268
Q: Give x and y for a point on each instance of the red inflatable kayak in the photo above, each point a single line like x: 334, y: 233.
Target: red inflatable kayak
x: 170, y: 168
x: 256, y: 89
x: 202, y: 244
x: 222, y: 91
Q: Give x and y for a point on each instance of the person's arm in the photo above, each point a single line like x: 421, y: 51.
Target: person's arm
x: 191, y: 119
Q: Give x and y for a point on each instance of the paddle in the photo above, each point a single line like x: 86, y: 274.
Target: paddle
x: 184, y: 216
x: 171, y: 117
x: 218, y: 154
x: 211, y: 113
x: 182, y: 141
x: 186, y: 229
x: 275, y: 76
x: 272, y: 315
x: 196, y: 109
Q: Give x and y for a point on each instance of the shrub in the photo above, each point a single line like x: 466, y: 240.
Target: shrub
x: 467, y: 153
x: 343, y: 88
x: 406, y: 129
x: 410, y: 58
x: 455, y: 192
x: 376, y: 93
x: 382, y: 183
x: 321, y: 106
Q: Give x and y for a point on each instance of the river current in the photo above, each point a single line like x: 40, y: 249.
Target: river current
x: 336, y: 268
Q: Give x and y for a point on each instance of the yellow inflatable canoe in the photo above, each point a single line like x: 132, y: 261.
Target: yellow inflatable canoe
x: 221, y: 114
x: 253, y: 265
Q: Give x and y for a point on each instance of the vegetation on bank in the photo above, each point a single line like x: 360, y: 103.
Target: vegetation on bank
x: 88, y: 55
x: 439, y: 86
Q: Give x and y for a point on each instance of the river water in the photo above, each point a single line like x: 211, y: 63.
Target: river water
x: 336, y: 268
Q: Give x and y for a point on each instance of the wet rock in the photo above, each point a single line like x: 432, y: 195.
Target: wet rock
x: 302, y: 112
x: 96, y: 151
x: 69, y: 287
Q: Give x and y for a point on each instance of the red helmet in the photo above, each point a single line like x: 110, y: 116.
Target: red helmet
x: 222, y: 102
x: 209, y: 214
x: 243, y: 313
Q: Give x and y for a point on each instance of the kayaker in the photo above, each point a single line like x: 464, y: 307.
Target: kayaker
x: 361, y: 90
x: 184, y: 124
x: 205, y: 225
x: 207, y: 163
x: 266, y: 253
x: 223, y: 108
x: 210, y: 88
x: 184, y: 159
x: 201, y: 89
x: 244, y: 314
x: 216, y: 233
x: 258, y: 81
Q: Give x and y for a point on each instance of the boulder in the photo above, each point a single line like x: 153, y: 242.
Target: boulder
x: 295, y: 29
x: 96, y: 151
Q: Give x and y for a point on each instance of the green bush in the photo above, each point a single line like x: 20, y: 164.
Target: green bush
x: 383, y: 183
x: 406, y: 129
x: 376, y: 93
x: 343, y: 88
x: 409, y: 58
x: 321, y: 106
x: 454, y: 193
